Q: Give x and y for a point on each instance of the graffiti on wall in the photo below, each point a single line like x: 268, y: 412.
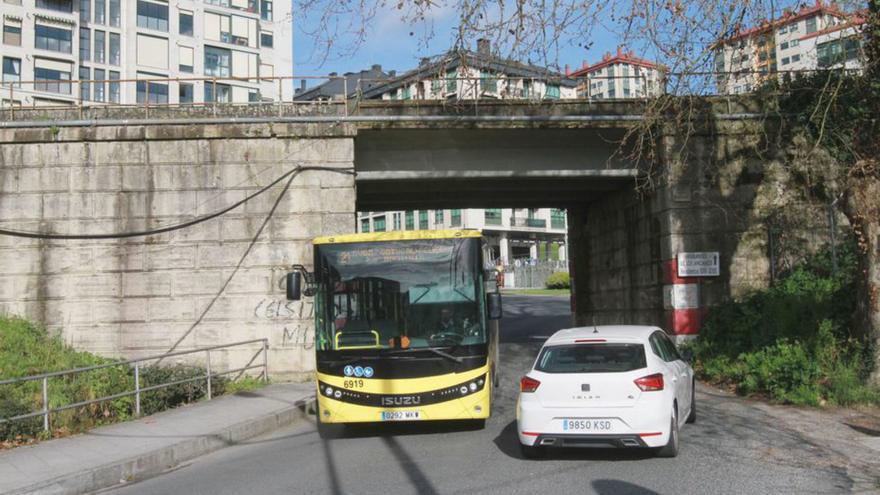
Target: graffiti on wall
x: 285, y: 312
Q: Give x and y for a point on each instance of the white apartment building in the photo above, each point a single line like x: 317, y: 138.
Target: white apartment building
x: 819, y: 36
x: 511, y: 233
x: 622, y: 75
x: 113, y: 42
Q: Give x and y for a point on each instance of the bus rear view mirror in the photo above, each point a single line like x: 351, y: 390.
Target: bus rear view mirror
x: 294, y: 286
x: 493, y: 304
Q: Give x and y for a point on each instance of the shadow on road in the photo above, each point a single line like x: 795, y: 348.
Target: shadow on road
x: 400, y: 429
x: 617, y: 487
x: 508, y: 443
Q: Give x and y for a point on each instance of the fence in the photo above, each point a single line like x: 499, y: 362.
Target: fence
x: 351, y: 91
x: 47, y: 411
x: 531, y: 275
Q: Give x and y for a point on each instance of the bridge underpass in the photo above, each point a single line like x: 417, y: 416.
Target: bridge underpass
x: 220, y: 281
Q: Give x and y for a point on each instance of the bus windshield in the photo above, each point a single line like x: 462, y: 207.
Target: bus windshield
x: 399, y: 294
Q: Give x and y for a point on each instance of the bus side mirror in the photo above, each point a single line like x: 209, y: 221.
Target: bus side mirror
x: 493, y: 304
x: 294, y: 286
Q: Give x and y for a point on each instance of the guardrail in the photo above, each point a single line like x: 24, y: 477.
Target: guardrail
x: 138, y: 390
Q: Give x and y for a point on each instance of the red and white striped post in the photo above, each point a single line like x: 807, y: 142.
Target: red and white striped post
x: 681, y: 301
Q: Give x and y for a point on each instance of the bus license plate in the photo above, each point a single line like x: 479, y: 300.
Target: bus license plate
x: 400, y: 415
x: 591, y: 425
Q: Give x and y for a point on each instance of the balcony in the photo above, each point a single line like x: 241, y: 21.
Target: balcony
x: 535, y: 223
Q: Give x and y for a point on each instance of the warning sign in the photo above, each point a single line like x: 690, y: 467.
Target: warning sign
x: 699, y: 264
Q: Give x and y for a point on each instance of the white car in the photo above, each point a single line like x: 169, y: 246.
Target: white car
x: 606, y: 386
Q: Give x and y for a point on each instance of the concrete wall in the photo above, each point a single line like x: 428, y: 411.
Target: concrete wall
x: 148, y: 295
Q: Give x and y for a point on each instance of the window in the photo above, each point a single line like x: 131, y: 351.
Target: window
x: 85, y: 10
x: 626, y: 92
x: 52, y: 38
x: 451, y: 82
x: 253, y: 96
x: 811, y: 25
x: 612, y: 93
x: 99, y: 46
x: 783, y: 46
x: 185, y: 21
x: 84, y: 88
x: 114, y: 86
x: 405, y: 93
x: 115, y: 13
x: 11, y: 70
x: 785, y: 60
x: 455, y: 218
x: 526, y: 89
x: 379, y: 224
x: 488, y: 81
x: 436, y: 84
x: 492, y: 216
x: 266, y: 40
x: 152, y: 92
x: 438, y: 217
x: 837, y: 51
x: 100, y: 12
x: 217, y: 61
x: 365, y: 224
x: 552, y: 92
x: 396, y: 218
x: 794, y: 43
x: 557, y: 218
x: 59, y: 5
x: 185, y: 59
x: 99, y: 84
x: 220, y: 93
x: 85, y: 44
x: 795, y: 58
x: 115, y: 56
x: 783, y: 30
x: 410, y: 221
x: 52, y: 80
x: 12, y: 32
x: 592, y: 358
x: 152, y: 51
x: 152, y: 16
x: 423, y: 219
x: 266, y: 10
x: 185, y: 93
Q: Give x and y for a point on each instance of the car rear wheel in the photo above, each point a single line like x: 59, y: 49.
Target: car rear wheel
x: 671, y: 447
x: 692, y: 417
x: 531, y: 451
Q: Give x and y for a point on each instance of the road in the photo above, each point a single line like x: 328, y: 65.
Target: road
x: 733, y: 448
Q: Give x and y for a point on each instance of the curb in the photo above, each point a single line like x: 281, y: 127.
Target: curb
x: 153, y: 463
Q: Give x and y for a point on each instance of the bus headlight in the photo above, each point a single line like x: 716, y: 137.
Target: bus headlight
x: 473, y: 386
x: 328, y: 391
x: 337, y: 394
x: 463, y: 390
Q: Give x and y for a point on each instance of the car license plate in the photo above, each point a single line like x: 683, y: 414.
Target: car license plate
x: 588, y: 425
x: 400, y: 415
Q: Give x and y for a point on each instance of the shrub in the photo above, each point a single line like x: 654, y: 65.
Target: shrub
x: 179, y: 394
x: 558, y: 280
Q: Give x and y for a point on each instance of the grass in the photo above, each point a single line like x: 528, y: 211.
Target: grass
x: 28, y: 349
x: 538, y: 292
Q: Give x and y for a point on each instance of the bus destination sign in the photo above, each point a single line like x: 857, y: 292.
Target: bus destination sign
x: 699, y: 264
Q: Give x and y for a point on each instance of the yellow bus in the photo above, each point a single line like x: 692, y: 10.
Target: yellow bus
x: 405, y: 328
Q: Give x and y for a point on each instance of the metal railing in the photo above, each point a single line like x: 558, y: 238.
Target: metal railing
x: 47, y: 411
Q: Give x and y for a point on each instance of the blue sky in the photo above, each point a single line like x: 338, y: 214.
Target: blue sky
x: 390, y: 44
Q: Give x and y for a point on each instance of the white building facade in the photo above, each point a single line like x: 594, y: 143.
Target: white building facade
x: 622, y: 75
x: 50, y: 45
x: 512, y: 234
x: 819, y: 36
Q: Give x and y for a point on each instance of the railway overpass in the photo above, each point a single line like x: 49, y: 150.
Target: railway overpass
x: 100, y: 170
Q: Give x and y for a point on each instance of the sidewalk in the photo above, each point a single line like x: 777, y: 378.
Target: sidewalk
x: 137, y: 449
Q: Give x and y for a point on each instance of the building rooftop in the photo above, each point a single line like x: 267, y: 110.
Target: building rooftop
x: 337, y: 85
x: 788, y: 17
x: 621, y: 57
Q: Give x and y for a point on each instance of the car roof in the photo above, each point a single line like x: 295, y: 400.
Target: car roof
x: 609, y: 333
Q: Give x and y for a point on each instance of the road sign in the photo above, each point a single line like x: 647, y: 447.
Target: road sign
x: 699, y: 264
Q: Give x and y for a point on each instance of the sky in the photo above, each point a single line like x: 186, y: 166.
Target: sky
x: 390, y: 44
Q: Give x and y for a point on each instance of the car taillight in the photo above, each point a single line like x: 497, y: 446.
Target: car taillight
x: 650, y: 383
x: 527, y: 384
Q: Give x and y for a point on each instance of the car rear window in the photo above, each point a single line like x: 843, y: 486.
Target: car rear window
x: 591, y: 358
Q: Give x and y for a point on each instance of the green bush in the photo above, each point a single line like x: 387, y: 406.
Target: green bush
x: 179, y: 394
x: 792, y: 342
x: 559, y: 280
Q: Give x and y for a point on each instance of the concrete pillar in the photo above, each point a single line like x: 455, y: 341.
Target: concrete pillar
x: 504, y: 247
x: 562, y: 253
x: 579, y: 265
x: 533, y: 250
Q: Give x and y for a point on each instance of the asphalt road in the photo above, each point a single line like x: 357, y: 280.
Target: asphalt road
x: 733, y: 448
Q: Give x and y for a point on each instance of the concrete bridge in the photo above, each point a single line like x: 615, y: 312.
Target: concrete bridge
x: 104, y: 170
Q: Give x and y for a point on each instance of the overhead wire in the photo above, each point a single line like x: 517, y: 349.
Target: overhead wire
x: 170, y: 228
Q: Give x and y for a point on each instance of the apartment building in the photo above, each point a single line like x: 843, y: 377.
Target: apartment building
x: 818, y: 36
x: 511, y: 234
x: 621, y: 75
x: 113, y: 42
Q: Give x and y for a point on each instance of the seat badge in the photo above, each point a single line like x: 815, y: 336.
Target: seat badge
x: 585, y: 387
